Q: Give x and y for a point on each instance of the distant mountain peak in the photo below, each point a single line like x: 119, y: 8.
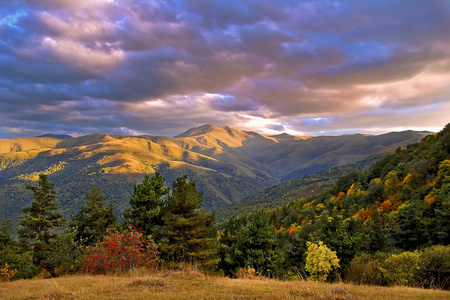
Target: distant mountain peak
x: 204, y: 129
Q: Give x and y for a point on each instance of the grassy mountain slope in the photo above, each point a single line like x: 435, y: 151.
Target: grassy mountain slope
x: 228, y: 164
x: 27, y: 144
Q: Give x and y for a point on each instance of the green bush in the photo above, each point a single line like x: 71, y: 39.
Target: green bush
x: 401, y: 269
x: 434, y: 269
x: 66, y: 256
x: 365, y: 269
x: 19, y: 261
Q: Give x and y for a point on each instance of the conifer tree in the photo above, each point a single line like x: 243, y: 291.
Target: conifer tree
x: 5, y: 237
x: 189, y: 232
x: 231, y: 257
x: 94, y: 219
x: 260, y: 245
x: 147, y: 205
x: 442, y: 219
x: 9, y: 253
x: 379, y: 235
x: 413, y: 230
x: 40, y: 223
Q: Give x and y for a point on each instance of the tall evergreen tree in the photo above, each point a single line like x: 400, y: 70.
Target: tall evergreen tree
x: 10, y: 251
x: 147, y: 205
x: 94, y: 219
x: 253, y: 244
x: 260, y: 245
x: 189, y: 231
x: 442, y: 219
x: 231, y: 257
x: 379, y: 233
x: 413, y: 230
x: 40, y: 223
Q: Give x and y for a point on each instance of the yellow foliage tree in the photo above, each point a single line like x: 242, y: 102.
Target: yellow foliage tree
x: 320, y: 261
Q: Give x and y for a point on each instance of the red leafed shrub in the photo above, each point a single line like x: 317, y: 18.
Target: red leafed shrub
x: 121, y: 252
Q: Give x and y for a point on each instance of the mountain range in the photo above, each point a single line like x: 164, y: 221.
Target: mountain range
x: 228, y: 164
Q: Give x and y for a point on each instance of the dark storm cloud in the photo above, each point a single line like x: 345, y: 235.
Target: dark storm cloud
x: 161, y: 67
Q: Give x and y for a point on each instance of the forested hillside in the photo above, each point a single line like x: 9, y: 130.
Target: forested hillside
x: 375, y: 220
x: 283, y: 193
x: 227, y: 163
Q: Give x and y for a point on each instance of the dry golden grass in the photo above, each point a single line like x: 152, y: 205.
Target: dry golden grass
x: 26, y: 144
x: 191, y: 284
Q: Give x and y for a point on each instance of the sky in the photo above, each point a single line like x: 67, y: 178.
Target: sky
x: 162, y: 67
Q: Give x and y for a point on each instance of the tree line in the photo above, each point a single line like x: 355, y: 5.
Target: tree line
x: 168, y: 224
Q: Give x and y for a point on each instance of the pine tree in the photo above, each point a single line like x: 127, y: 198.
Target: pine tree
x: 380, y: 237
x: 231, y: 257
x: 94, y: 219
x: 441, y: 231
x: 5, y: 237
x: 189, y: 230
x: 260, y: 246
x: 10, y: 254
x: 147, y: 205
x: 413, y: 230
x: 40, y: 223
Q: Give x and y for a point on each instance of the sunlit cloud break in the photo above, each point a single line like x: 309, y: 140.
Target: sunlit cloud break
x: 162, y: 67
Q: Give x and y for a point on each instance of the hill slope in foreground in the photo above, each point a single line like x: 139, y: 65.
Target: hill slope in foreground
x: 228, y: 164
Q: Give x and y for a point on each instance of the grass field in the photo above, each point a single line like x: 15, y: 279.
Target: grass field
x: 191, y: 284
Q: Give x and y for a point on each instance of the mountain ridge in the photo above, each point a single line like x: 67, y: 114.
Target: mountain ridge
x: 284, y: 156
x: 227, y: 163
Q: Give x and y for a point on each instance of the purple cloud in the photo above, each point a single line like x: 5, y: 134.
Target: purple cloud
x: 156, y: 67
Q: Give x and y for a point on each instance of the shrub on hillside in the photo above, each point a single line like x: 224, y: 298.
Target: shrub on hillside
x: 66, y: 256
x: 434, y: 269
x: 400, y: 269
x: 121, y: 252
x: 18, y: 261
x: 6, y: 273
x: 365, y: 269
